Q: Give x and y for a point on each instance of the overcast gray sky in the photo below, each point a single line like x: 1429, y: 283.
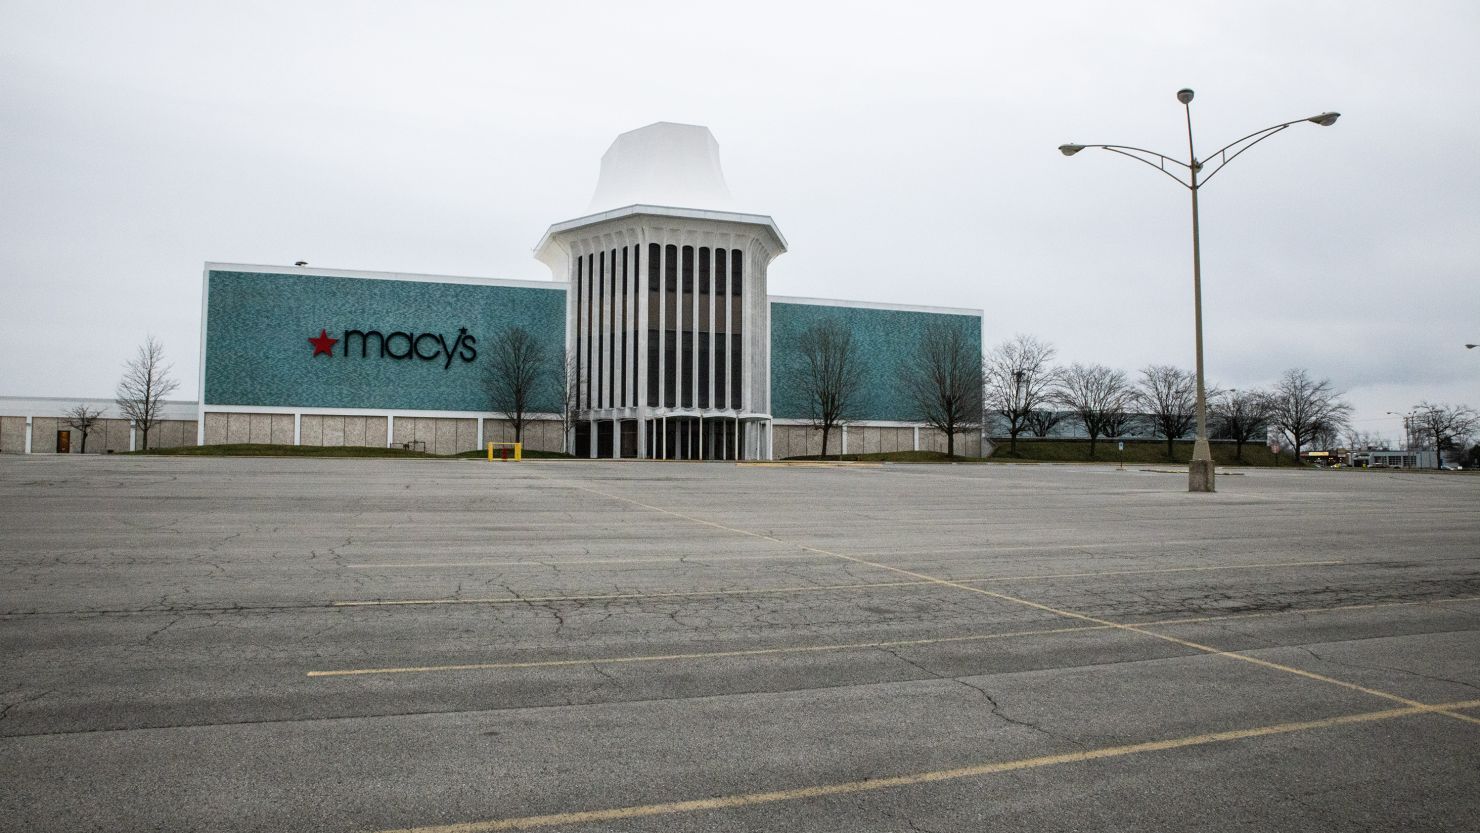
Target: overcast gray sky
x: 907, y: 153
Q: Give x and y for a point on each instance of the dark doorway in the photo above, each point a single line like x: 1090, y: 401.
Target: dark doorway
x: 64, y: 442
x: 583, y: 438
x: 629, y: 438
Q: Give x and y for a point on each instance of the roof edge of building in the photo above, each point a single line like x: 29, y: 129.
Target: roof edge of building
x: 415, y: 277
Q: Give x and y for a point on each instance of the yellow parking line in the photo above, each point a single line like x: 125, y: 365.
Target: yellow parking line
x: 1070, y: 614
x: 1256, y: 566
x: 813, y: 587
x: 677, y: 559
x: 935, y: 776
x: 846, y: 646
x: 750, y: 652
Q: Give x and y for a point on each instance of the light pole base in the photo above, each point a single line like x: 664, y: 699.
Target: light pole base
x: 1200, y: 476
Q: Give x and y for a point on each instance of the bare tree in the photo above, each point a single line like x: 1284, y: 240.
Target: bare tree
x: 1019, y: 381
x: 1303, y: 408
x: 1098, y: 396
x: 516, y: 367
x: 84, y: 419
x: 1241, y: 416
x: 1122, y: 422
x: 567, y: 389
x: 829, y: 376
x: 1356, y: 440
x: 943, y: 381
x: 1448, y: 427
x: 1042, y: 421
x: 146, y: 382
x: 1168, y: 396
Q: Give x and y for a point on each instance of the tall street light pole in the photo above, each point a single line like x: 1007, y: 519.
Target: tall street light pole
x: 1200, y: 470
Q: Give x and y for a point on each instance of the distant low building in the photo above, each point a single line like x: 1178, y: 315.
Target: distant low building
x: 38, y: 425
x: 1412, y: 458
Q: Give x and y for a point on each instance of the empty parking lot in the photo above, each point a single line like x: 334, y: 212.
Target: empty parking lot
x: 363, y: 645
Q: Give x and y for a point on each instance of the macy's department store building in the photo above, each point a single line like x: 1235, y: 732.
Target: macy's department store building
x: 678, y: 348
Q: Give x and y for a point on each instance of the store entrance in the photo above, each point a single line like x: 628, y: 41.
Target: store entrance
x: 64, y: 442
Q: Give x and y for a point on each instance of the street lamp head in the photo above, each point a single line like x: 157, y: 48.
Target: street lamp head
x: 1070, y: 150
x: 1184, y: 95
x: 1324, y: 119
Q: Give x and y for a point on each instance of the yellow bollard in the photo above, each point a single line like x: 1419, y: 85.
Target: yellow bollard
x: 518, y: 451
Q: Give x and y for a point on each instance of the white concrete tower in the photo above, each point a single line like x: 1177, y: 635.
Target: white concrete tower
x: 668, y: 320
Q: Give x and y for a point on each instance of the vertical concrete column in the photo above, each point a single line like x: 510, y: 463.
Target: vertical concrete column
x: 616, y: 439
x: 729, y: 317
x: 610, y: 320
x: 297, y: 429
x: 747, y: 322
x: 133, y: 433
x: 917, y: 438
x: 28, y: 436
x: 713, y: 271
x: 845, y: 440
x: 662, y: 368
x: 390, y: 430
x: 701, y: 435
x: 694, y: 338
x: 595, y: 438
x: 481, y: 443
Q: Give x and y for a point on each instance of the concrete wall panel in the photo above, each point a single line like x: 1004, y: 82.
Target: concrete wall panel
x: 238, y: 428
x: 44, y: 435
x: 444, y: 437
x: 13, y: 434
x: 333, y: 430
x: 282, y: 429
x: 311, y: 430
x: 354, y: 430
x: 375, y: 431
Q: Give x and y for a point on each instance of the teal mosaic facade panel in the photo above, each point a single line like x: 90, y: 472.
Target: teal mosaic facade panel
x: 259, y: 326
x: 883, y: 338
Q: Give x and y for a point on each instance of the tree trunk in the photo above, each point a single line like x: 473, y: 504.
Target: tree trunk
x: 1092, y: 439
x: 1012, y: 445
x: 951, y: 442
x: 1170, y: 459
x: 826, y: 429
x: 146, y: 440
x: 84, y: 442
x: 1238, y: 445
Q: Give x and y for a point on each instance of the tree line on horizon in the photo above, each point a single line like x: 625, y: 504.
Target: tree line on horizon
x: 1029, y: 393
x: 947, y: 385
x: 1018, y: 386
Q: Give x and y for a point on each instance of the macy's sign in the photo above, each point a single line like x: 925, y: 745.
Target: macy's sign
x: 399, y: 345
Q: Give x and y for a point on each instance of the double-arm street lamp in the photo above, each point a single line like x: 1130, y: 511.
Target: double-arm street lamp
x: 1200, y: 472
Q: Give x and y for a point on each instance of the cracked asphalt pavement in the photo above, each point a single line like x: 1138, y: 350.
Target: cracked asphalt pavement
x: 370, y: 645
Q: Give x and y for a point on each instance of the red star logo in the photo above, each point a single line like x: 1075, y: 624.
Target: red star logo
x: 323, y: 344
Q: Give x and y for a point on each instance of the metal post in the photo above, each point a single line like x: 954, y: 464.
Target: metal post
x: 1200, y: 468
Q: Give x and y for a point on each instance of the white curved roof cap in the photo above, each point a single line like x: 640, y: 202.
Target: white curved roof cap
x: 662, y: 164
